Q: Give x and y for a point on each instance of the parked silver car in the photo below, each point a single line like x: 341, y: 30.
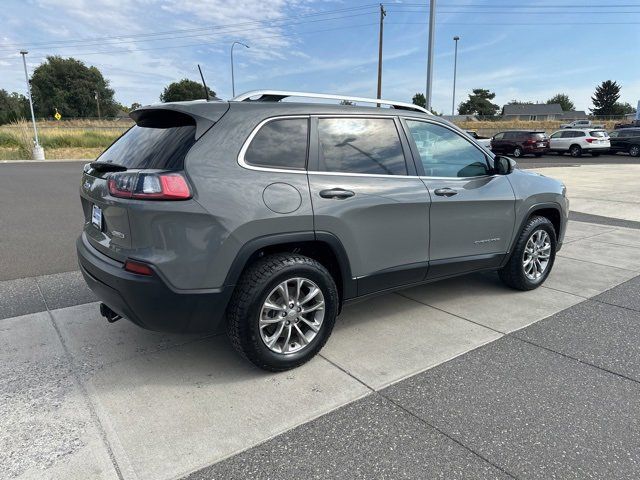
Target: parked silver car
x: 265, y: 217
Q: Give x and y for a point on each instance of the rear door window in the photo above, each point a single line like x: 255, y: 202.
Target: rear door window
x: 361, y: 145
x: 161, y: 141
x: 280, y: 143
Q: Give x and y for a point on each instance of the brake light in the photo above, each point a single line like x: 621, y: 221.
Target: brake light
x: 589, y: 140
x: 149, y: 186
x: 137, y: 267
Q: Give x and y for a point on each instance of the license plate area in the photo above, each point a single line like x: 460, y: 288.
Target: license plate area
x: 96, y: 217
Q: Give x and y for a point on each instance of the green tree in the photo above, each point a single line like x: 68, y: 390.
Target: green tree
x: 624, y: 108
x: 420, y: 100
x: 13, y: 106
x: 135, y: 106
x: 184, y: 90
x: 605, y: 99
x: 564, y: 101
x: 479, y: 103
x: 68, y: 85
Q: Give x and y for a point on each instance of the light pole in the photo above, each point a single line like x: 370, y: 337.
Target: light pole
x: 233, y: 85
x: 455, y: 67
x: 38, y: 151
x: 432, y: 27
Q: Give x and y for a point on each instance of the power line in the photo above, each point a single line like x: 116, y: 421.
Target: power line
x: 208, y: 43
x: 210, y: 27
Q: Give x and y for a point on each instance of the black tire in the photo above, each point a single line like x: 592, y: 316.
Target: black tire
x: 517, y: 152
x: 634, y: 151
x: 254, y: 286
x: 513, y: 274
x: 575, y: 151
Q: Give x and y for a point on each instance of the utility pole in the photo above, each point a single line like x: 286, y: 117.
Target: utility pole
x: 382, y: 15
x: 98, y: 103
x: 38, y: 151
x: 432, y: 27
x: 233, y: 82
x: 455, y: 67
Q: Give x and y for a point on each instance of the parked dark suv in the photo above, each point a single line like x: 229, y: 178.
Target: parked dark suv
x: 265, y: 217
x: 625, y: 140
x: 520, y: 142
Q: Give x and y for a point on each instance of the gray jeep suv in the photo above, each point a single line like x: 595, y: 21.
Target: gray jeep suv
x: 265, y: 217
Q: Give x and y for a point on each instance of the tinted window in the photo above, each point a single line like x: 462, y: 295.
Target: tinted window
x: 161, y: 144
x: 578, y: 134
x: 614, y: 134
x: 557, y: 135
x: 499, y: 136
x: 444, y: 153
x: 360, y: 145
x: 539, y: 135
x: 280, y: 144
x: 598, y: 133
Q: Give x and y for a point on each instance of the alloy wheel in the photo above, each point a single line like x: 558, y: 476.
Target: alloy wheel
x: 291, y: 316
x: 536, y: 256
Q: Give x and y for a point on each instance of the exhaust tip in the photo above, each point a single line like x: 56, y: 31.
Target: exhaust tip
x: 109, y: 314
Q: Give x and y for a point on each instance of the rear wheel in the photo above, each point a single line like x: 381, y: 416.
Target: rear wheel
x: 282, y: 311
x: 532, y: 257
x: 517, y: 152
x: 575, y: 151
x: 634, y: 151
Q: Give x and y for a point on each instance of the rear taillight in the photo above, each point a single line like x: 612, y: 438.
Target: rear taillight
x: 590, y: 140
x: 149, y: 186
x: 529, y: 142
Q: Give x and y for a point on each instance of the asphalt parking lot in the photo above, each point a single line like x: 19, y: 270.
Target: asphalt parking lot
x: 460, y: 379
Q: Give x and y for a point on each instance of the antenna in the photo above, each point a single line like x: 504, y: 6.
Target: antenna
x: 204, y: 85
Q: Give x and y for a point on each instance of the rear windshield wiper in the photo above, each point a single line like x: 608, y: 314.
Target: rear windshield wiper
x: 107, y: 167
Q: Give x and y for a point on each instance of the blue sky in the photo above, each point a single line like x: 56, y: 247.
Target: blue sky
x: 525, y: 50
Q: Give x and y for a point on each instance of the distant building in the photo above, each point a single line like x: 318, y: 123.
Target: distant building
x: 574, y: 115
x: 533, y: 111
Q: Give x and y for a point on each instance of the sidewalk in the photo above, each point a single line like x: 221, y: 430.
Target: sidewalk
x: 86, y: 399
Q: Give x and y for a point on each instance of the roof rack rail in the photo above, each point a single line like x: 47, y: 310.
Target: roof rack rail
x: 277, y: 95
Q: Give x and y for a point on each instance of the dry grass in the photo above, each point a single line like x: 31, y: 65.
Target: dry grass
x: 488, y: 127
x: 72, y: 139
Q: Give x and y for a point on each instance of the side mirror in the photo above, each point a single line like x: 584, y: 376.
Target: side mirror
x: 503, y: 165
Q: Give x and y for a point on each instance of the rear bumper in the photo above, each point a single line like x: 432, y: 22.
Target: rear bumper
x: 535, y: 149
x: 148, y: 301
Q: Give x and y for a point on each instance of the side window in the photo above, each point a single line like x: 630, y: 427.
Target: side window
x: 499, y: 136
x: 556, y: 135
x: 360, y: 145
x: 280, y: 144
x: 578, y: 134
x: 613, y: 135
x: 446, y: 153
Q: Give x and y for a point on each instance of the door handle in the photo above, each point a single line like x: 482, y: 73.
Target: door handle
x: 336, y: 193
x: 445, y: 192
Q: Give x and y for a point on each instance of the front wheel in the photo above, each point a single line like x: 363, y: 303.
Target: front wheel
x: 282, y: 311
x: 532, y: 257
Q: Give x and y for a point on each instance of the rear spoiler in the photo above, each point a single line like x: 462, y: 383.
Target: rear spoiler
x: 202, y: 114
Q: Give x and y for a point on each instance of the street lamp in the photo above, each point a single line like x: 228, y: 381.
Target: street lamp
x: 455, y: 67
x: 233, y: 85
x: 38, y: 151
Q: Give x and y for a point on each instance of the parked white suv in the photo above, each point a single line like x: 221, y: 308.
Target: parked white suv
x: 576, y: 141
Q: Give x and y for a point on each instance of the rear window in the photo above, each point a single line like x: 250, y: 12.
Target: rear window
x: 598, y: 133
x: 158, y: 142
x: 539, y: 135
x: 280, y: 144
